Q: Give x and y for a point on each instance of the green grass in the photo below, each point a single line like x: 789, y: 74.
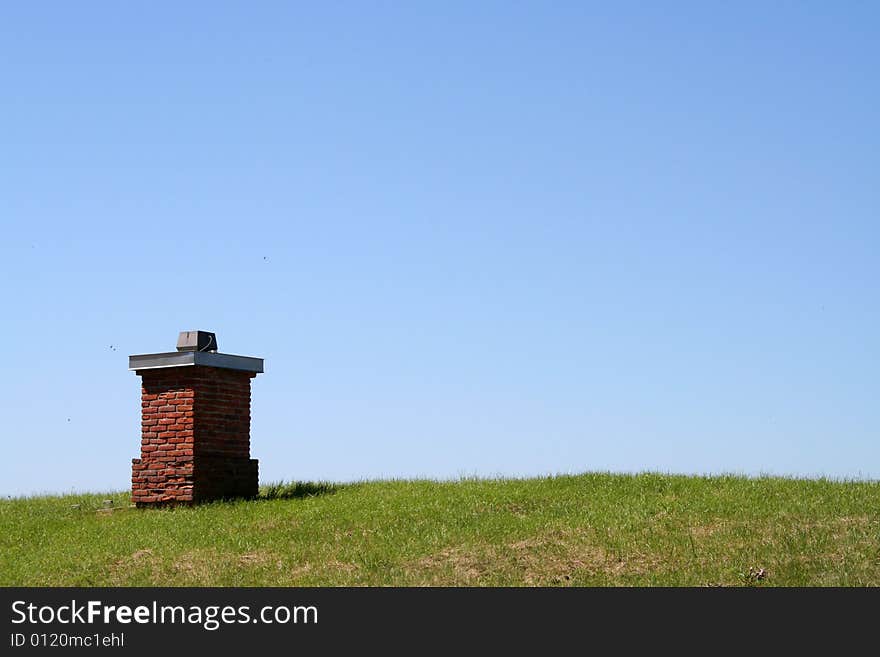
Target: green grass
x: 593, y: 529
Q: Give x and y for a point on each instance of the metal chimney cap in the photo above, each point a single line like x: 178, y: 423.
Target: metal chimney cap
x: 197, y: 341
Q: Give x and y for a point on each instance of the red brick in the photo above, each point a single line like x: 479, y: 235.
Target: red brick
x: 199, y: 410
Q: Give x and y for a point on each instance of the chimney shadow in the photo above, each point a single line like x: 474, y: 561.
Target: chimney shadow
x: 296, y: 490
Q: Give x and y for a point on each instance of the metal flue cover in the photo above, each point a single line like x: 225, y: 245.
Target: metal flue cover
x: 196, y: 341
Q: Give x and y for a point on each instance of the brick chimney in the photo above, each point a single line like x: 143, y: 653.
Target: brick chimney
x: 195, y: 424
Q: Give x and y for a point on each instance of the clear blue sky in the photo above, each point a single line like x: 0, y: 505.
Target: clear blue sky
x: 468, y: 238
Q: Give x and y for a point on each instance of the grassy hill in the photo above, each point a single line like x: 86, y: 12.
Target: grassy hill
x: 593, y: 529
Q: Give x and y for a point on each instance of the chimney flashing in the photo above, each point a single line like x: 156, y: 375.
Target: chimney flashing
x: 189, y: 358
